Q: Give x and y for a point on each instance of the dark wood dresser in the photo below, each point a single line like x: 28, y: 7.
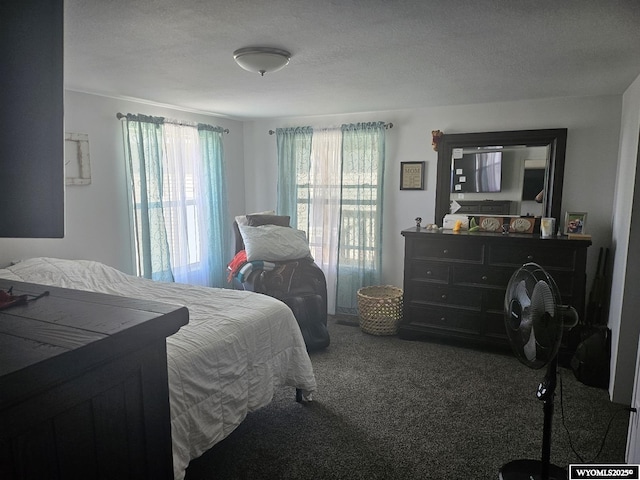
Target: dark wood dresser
x: 83, y: 386
x: 455, y: 283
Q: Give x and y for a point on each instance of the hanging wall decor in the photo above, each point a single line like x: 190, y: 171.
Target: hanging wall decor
x: 77, y: 167
x: 412, y: 175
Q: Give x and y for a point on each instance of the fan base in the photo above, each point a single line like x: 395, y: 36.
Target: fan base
x: 530, y: 470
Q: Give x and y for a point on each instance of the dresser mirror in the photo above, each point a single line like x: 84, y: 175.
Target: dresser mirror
x: 501, y: 173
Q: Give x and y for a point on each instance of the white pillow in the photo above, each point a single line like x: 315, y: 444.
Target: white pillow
x: 273, y: 243
x: 242, y: 219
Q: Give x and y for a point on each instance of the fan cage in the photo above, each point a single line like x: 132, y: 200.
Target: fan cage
x: 531, y: 274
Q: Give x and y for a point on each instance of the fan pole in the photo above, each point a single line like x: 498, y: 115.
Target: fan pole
x: 546, y: 393
x: 541, y: 469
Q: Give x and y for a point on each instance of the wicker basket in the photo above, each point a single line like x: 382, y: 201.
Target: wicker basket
x: 380, y: 309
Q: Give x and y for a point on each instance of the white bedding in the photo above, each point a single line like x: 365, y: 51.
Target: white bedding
x: 237, y: 347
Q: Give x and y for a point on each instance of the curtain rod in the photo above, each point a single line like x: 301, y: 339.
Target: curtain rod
x: 386, y: 125
x: 120, y: 116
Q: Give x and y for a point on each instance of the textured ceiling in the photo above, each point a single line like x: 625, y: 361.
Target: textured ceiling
x: 350, y: 56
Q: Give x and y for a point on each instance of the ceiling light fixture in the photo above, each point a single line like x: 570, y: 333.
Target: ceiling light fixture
x: 261, y: 59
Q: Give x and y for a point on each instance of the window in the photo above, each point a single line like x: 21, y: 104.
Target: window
x: 336, y: 183
x: 178, y: 200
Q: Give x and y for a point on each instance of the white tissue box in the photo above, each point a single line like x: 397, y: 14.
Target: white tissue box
x: 450, y: 221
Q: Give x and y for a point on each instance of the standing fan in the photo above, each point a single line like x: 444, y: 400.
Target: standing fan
x: 534, y: 320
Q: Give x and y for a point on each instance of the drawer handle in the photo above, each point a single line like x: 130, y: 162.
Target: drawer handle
x: 444, y: 296
x: 428, y: 272
x: 529, y: 257
x: 443, y: 319
x: 485, y: 278
x: 445, y: 251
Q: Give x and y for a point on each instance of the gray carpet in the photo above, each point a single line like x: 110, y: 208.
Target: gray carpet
x: 388, y: 408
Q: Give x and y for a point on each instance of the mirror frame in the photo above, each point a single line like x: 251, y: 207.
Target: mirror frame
x: 556, y: 139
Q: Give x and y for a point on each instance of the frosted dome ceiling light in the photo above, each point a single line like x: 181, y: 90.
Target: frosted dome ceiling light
x: 261, y: 59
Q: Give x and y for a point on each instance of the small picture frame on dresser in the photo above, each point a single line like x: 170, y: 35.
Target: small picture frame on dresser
x: 575, y: 222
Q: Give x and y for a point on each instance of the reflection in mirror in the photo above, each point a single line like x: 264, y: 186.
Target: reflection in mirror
x: 501, y: 173
x: 514, y: 175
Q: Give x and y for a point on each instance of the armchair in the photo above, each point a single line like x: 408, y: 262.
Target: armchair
x: 298, y: 282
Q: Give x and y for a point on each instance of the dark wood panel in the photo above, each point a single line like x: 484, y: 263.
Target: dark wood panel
x: 32, y: 99
x: 451, y: 320
x: 454, y: 283
x: 91, y: 297
x: 16, y: 352
x: 34, y: 457
x: 516, y: 255
x: 486, y: 207
x: 481, y: 276
x: 443, y: 249
x: 110, y: 420
x: 86, y: 316
x: 97, y: 407
x: 495, y: 327
x: 439, y: 295
x: 47, y: 333
x: 76, y: 454
x: 421, y: 270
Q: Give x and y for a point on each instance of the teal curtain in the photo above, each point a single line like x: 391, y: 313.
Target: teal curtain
x: 179, y: 200
x: 294, y: 158
x: 360, y: 243
x: 215, y: 204
x: 144, y: 151
x: 358, y: 227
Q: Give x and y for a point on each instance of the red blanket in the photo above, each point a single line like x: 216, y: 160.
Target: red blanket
x: 236, y: 264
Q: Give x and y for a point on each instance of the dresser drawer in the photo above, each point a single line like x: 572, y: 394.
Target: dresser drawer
x: 448, y: 320
x: 518, y: 256
x: 445, y: 249
x: 437, y: 295
x: 495, y: 327
x: 500, y: 209
x: 426, y: 271
x: 478, y: 275
x: 455, y: 283
x: 494, y: 300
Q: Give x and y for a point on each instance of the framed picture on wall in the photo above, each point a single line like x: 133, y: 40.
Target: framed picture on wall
x: 575, y: 222
x: 412, y: 175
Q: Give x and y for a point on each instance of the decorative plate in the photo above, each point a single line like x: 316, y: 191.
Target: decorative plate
x: 521, y: 225
x: 490, y: 224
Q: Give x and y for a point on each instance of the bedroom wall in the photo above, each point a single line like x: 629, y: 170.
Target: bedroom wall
x: 625, y: 302
x: 97, y: 221
x: 97, y: 224
x: 593, y: 125
x: 592, y: 149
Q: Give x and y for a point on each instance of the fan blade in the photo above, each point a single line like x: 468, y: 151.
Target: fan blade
x: 525, y: 314
x: 522, y: 294
x: 542, y: 298
x: 529, y: 348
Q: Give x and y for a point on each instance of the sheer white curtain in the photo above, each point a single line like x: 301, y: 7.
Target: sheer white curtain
x: 330, y: 182
x: 325, y: 177
x: 184, y: 212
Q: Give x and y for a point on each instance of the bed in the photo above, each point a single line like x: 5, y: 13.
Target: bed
x: 236, y: 349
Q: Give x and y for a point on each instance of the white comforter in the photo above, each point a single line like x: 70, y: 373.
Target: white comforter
x: 237, y: 347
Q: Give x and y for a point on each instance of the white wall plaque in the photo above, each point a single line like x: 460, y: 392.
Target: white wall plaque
x: 77, y: 167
